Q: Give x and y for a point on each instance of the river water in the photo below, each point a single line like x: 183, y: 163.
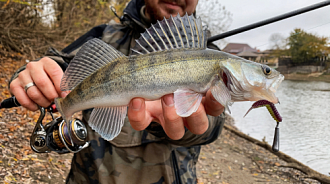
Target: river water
x: 305, y: 129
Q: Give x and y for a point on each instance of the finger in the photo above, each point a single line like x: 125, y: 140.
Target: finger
x: 55, y: 72
x: 33, y: 92
x: 212, y: 106
x: 173, y: 125
x: 137, y: 114
x: 197, y: 122
x: 42, y: 80
x: 19, y: 93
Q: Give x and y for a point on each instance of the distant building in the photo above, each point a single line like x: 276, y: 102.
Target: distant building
x: 266, y: 57
x: 242, y: 49
x: 246, y: 51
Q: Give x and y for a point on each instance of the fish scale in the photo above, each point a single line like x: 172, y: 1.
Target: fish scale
x: 170, y: 57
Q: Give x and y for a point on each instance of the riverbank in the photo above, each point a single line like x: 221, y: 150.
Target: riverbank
x: 308, y: 77
x: 230, y: 159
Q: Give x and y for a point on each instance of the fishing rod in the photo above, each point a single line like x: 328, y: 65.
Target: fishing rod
x: 269, y: 21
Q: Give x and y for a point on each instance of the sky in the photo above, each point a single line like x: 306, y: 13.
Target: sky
x: 252, y: 11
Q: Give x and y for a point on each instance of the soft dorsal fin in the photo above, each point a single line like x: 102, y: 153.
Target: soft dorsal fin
x: 93, y: 55
x: 173, y: 33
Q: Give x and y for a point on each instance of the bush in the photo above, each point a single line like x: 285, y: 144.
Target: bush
x: 30, y: 27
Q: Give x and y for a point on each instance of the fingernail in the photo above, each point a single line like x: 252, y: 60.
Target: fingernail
x: 169, y: 101
x: 63, y: 94
x: 136, y: 104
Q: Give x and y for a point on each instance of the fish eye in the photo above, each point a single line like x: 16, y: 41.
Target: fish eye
x: 267, y: 70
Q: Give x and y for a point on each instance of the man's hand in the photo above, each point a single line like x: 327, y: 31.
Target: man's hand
x: 141, y: 114
x: 46, y: 75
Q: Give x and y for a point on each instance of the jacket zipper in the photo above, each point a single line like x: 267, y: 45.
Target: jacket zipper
x: 176, y: 169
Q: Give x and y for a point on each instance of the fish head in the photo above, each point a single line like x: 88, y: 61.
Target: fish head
x: 250, y: 81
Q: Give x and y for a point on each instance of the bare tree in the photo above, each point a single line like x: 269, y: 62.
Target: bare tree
x: 277, y: 41
x: 215, y: 17
x: 31, y: 26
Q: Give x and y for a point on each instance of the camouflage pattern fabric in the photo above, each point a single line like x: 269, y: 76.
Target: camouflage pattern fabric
x: 147, y: 156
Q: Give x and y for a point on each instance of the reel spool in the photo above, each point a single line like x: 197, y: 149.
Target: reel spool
x: 73, y: 137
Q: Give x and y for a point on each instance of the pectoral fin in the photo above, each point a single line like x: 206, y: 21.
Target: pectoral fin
x: 221, y: 93
x: 108, y: 121
x: 186, y: 102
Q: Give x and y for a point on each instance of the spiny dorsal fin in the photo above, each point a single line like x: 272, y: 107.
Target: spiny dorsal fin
x: 175, y: 32
x: 92, y: 56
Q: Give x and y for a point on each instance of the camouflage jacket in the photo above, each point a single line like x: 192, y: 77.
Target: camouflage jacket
x: 147, y: 156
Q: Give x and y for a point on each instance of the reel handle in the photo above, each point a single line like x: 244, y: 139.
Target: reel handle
x: 38, y: 136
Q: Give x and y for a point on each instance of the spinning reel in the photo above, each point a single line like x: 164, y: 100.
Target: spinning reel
x: 57, y: 136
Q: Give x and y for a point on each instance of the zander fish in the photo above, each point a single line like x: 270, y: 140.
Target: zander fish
x: 169, y: 57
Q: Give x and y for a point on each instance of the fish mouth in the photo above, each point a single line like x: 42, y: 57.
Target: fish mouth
x: 273, y: 87
x: 276, y: 102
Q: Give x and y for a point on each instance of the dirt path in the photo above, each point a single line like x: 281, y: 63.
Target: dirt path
x: 230, y: 159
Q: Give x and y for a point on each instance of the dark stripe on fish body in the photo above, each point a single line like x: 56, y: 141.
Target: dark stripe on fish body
x: 132, y: 65
x: 152, y: 60
x: 87, y: 86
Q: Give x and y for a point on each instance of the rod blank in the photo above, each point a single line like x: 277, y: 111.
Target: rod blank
x: 269, y: 21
